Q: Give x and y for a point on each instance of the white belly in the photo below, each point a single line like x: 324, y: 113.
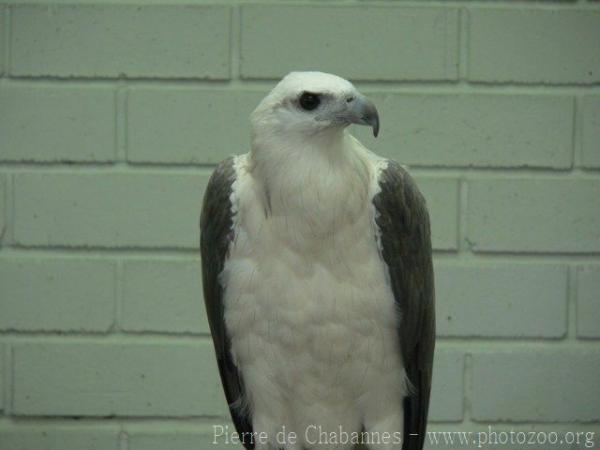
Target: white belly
x: 312, y: 323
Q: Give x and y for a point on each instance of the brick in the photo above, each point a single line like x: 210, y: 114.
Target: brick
x: 122, y: 379
x: 164, y: 296
x: 185, y: 41
x: 501, y: 300
x: 442, y: 200
x: 516, y: 385
x: 360, y: 31
x: 190, y: 437
x: 447, y: 387
x: 590, y: 117
x: 534, y: 45
x: 56, y: 294
x: 109, y: 209
x: 188, y: 125
x: 474, y: 130
x: 536, y: 215
x: 54, y: 437
x: 57, y: 123
x: 588, y: 302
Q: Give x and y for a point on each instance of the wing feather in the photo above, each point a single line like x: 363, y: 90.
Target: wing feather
x: 403, y: 221
x: 217, y: 234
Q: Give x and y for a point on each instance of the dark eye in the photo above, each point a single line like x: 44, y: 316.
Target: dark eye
x: 309, y: 101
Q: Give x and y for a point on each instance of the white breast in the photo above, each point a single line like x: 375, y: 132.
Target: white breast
x: 308, y: 305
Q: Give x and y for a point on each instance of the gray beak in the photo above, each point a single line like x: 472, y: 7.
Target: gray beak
x: 362, y: 111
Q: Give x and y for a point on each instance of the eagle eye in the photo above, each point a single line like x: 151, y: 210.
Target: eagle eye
x: 309, y: 101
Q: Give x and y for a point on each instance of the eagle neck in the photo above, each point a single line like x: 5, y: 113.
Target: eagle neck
x: 320, y: 182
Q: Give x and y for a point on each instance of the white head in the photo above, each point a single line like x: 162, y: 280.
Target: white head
x: 309, y: 105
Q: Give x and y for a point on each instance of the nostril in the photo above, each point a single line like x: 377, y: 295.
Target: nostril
x: 349, y: 99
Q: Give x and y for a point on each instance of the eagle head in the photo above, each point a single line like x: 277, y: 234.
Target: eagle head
x: 312, y: 104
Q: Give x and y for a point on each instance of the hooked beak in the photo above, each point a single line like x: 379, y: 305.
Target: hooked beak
x: 362, y: 111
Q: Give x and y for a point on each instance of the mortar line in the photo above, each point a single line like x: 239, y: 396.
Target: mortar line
x: 10, y: 380
x: 5, y: 376
x: 118, y: 300
x: 462, y: 344
x: 121, y: 104
x: 100, y: 253
x: 579, y: 128
x: 463, y: 45
x: 235, y: 43
x: 575, y: 135
x: 467, y: 386
x: 11, y: 210
x: 567, y: 305
x: 191, y: 253
x: 76, y: 336
x: 123, y: 436
x: 525, y: 256
x: 463, y: 187
x: 205, y: 422
x: 7, y: 38
x: 505, y: 173
x: 5, y: 213
x: 572, y: 302
x: 450, y: 171
x: 116, y: 422
x: 476, y: 343
x: 262, y: 84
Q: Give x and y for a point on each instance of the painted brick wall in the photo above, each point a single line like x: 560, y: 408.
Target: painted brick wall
x: 112, y: 116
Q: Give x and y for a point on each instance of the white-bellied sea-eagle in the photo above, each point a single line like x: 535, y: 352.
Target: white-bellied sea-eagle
x: 318, y: 279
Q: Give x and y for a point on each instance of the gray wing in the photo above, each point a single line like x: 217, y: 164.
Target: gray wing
x: 216, y: 228
x: 403, y: 222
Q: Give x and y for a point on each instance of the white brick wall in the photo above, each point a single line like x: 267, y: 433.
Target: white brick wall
x: 112, y: 117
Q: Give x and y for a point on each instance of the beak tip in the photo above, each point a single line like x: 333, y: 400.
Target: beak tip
x: 375, y: 125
